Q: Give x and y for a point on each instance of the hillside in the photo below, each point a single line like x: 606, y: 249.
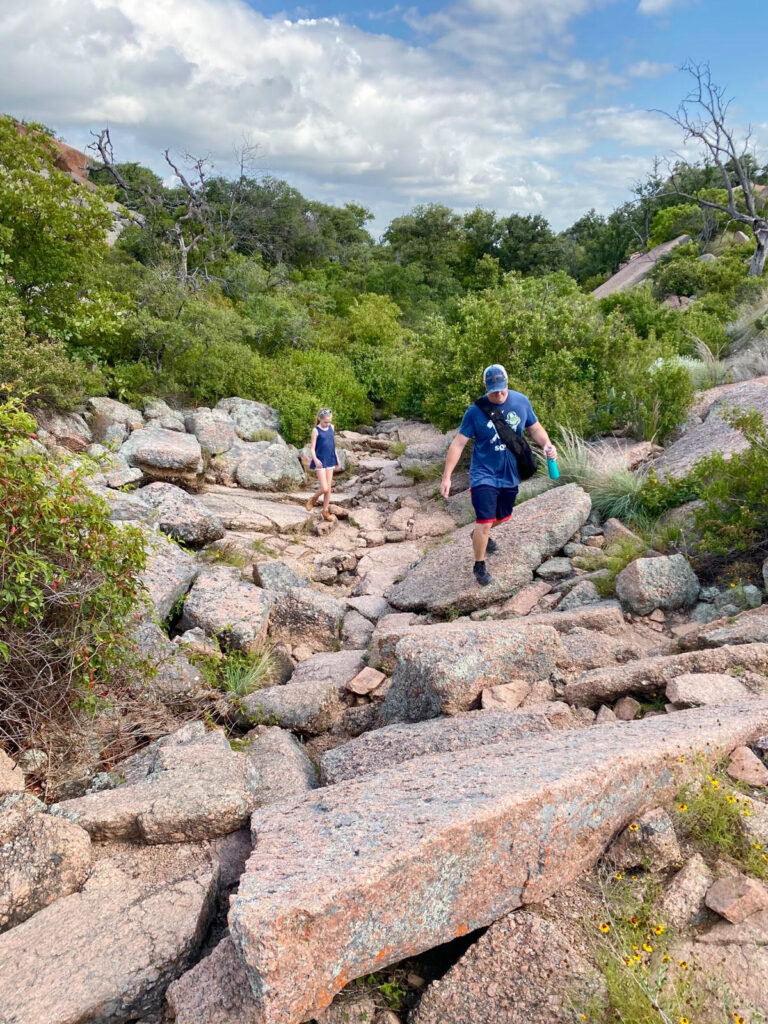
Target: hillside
x: 261, y: 765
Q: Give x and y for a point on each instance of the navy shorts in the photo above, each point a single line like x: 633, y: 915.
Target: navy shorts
x: 493, y: 504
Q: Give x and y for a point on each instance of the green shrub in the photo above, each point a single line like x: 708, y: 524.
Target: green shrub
x: 578, y: 367
x: 659, y: 402
x: 711, y: 812
x: 69, y: 580
x: 734, y: 516
x: 40, y: 370
x: 298, y: 383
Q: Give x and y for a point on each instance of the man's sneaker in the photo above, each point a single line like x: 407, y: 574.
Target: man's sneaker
x: 491, y: 548
x: 482, y: 575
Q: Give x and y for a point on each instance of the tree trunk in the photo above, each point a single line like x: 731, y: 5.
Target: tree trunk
x: 757, y: 263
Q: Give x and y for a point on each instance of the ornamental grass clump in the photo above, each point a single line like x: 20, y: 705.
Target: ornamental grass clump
x: 69, y: 583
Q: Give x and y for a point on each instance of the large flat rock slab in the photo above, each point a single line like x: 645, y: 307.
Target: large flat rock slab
x: 748, y: 628
x: 374, y: 751
x: 635, y: 271
x: 244, y: 510
x: 368, y: 872
x: 652, y: 674
x: 442, y: 581
x: 106, y: 955
x: 713, y: 434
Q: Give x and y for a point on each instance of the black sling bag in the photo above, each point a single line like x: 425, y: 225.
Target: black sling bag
x: 527, y: 466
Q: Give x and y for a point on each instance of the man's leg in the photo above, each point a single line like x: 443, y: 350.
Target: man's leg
x: 480, y: 537
x: 484, y: 500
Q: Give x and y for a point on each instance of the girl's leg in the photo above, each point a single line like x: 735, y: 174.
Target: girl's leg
x: 320, y: 490
x: 327, y: 484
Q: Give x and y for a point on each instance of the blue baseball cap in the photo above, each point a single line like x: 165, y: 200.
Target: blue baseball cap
x: 495, y: 378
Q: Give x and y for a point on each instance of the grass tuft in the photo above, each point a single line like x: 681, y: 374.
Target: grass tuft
x: 614, y: 488
x: 242, y: 673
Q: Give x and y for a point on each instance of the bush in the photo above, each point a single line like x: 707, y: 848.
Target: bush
x: 69, y: 580
x: 659, y: 402
x: 39, y: 369
x: 734, y: 516
x: 297, y: 384
x: 579, y: 367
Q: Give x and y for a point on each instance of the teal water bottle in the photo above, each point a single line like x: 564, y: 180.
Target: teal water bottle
x: 552, y: 469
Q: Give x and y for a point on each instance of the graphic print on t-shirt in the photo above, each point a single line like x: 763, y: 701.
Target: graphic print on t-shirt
x: 513, y: 420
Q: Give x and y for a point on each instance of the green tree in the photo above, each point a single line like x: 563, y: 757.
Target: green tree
x: 528, y: 244
x: 52, y: 235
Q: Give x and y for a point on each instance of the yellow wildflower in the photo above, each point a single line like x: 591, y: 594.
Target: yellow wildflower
x: 682, y: 808
x: 605, y: 927
x: 658, y: 929
x: 634, y: 827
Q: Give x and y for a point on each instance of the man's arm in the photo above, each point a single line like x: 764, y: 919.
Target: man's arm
x: 452, y: 457
x: 539, y: 436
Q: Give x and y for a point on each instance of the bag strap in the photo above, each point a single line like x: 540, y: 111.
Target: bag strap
x: 508, y: 435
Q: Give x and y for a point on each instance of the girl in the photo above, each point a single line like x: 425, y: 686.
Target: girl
x: 323, y: 460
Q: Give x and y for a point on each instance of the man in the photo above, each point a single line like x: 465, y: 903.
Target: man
x: 493, y: 476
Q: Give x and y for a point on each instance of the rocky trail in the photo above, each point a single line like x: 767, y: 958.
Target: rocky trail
x: 429, y: 762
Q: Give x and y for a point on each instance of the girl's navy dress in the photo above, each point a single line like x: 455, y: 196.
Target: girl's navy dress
x: 325, y: 450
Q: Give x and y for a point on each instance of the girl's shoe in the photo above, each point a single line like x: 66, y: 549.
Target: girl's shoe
x: 310, y: 504
x: 327, y: 516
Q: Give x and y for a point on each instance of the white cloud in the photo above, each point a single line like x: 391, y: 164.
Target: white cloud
x: 343, y: 113
x: 656, y: 6
x: 649, y: 69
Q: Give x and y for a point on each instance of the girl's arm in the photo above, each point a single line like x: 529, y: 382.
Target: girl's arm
x: 313, y: 442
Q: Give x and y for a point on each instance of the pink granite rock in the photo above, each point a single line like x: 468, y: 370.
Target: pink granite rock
x: 440, y: 846
x: 694, y: 689
x: 653, y: 674
x: 744, y: 766
x: 108, y: 953
x: 524, y: 601
x: 187, y: 786
x: 626, y: 709
x: 441, y: 669
x: 215, y: 991
x: 683, y: 901
x: 443, y: 579
x: 394, y: 744
x: 524, y: 968
x: 652, y: 845
x: 47, y: 859
x: 648, y: 583
x: 737, y: 897
x: 11, y: 776
x: 226, y: 606
x: 507, y: 695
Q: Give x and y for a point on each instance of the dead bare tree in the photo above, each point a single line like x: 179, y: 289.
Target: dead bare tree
x: 702, y: 115
x: 194, y: 224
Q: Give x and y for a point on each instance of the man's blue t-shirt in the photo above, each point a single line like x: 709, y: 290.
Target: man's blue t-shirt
x: 493, y: 464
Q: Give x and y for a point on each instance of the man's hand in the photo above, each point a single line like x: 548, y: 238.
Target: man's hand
x: 445, y: 486
x: 550, y: 452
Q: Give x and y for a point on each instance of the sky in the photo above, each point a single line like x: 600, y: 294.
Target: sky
x: 522, y: 106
